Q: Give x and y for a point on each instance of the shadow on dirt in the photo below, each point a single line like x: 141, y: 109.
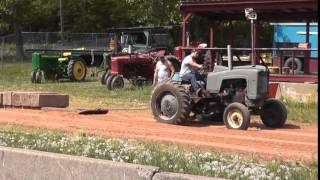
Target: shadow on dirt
x: 204, y: 123
x: 263, y: 127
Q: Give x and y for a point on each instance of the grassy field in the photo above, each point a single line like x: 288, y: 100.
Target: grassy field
x: 91, y: 94
x: 168, y: 157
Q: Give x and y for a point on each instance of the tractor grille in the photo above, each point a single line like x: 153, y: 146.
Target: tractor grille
x: 263, y: 83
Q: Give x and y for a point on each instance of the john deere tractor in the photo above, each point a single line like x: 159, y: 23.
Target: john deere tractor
x: 57, y: 64
x: 232, y: 95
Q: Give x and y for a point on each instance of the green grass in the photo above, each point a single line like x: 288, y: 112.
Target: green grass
x: 89, y: 94
x: 305, y: 112
x: 168, y: 157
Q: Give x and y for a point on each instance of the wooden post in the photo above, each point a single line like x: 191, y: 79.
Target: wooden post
x: 212, y: 28
x: 185, y: 19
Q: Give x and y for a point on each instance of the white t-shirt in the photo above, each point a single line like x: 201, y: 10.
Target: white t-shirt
x: 163, y: 71
x: 185, y: 66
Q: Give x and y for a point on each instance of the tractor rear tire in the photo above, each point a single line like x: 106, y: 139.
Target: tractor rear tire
x: 109, y: 81
x: 170, y: 103
x: 117, y: 83
x: 103, y: 77
x: 33, y: 76
x: 77, y: 70
x: 273, y: 113
x: 236, y: 116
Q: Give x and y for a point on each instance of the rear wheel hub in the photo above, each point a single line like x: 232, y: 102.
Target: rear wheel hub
x: 169, y: 105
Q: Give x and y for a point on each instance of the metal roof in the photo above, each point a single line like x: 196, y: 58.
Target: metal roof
x: 269, y: 10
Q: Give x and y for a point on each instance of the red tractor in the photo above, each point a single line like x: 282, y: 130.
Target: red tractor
x: 140, y: 49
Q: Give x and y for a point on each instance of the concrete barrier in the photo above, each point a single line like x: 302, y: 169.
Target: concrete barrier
x: 26, y: 164
x: 37, y: 165
x: 297, y: 91
x: 177, y: 176
x: 35, y: 99
x: 7, y: 96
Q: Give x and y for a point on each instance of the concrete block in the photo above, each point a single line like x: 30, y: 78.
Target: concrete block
x: 7, y: 96
x: 53, y: 100
x: 1, y: 97
x: 298, y: 91
x: 176, y: 176
x: 39, y: 99
x: 17, y: 98
x: 27, y: 164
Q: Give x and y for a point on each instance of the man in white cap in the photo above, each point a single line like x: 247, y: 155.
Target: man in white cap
x: 190, y: 67
x: 164, y: 71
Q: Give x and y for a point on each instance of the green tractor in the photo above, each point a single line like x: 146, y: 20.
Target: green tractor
x: 70, y: 65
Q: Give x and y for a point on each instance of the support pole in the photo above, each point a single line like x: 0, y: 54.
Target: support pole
x: 307, y: 54
x: 254, y: 42
x: 229, y: 57
x: 293, y: 61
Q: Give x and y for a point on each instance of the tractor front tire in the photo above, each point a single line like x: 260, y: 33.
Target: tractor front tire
x: 273, y: 113
x: 170, y: 103
x: 117, y: 83
x: 77, y: 70
x: 236, y: 116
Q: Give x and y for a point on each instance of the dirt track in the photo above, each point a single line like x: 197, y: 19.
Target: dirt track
x: 293, y: 142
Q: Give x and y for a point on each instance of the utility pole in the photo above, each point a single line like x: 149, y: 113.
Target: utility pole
x: 61, y: 22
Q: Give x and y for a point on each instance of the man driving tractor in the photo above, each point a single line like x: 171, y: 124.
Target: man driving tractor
x: 190, y: 68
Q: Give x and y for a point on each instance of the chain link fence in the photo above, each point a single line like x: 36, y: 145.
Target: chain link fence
x: 52, y: 40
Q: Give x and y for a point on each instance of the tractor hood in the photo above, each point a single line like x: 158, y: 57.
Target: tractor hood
x: 219, y: 68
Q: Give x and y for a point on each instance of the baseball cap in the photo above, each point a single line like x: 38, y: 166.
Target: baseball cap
x: 202, y: 45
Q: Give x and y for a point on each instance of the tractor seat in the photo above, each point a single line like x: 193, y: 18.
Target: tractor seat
x: 185, y: 82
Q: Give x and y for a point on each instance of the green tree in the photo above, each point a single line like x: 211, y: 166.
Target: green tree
x: 154, y: 12
x: 15, y: 12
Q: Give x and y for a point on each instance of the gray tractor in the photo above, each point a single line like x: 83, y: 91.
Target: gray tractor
x: 235, y: 93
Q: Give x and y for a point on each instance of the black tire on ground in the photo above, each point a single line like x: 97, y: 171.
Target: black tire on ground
x: 236, y: 116
x: 273, y: 113
x: 170, y: 103
x: 117, y: 82
x: 39, y: 77
x: 108, y: 81
x: 33, y: 76
x: 77, y: 70
x: 297, y: 63
x: 138, y: 83
x: 103, y: 78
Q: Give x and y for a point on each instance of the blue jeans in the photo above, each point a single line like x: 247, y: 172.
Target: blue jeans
x: 192, y: 78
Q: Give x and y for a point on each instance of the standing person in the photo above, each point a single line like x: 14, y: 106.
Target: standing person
x: 164, y: 71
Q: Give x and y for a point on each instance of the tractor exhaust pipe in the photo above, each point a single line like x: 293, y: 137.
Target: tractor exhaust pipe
x: 229, y: 57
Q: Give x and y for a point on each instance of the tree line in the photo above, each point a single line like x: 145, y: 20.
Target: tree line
x: 85, y: 15
x: 98, y: 15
